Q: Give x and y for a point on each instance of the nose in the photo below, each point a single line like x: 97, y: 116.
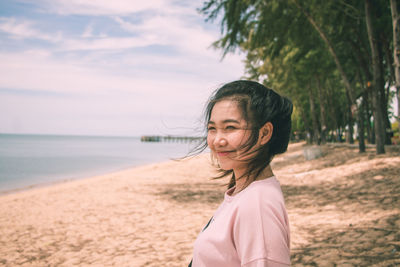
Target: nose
x: 220, y: 140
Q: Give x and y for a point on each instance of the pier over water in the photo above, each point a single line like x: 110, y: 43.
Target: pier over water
x: 170, y: 138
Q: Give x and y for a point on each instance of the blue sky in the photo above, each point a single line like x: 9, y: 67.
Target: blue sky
x: 98, y: 67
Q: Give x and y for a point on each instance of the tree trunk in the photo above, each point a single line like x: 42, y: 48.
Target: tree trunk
x: 368, y: 114
x: 396, y: 51
x: 385, y: 51
x: 388, y: 125
x: 398, y: 104
x: 363, y: 61
x: 332, y: 112
x: 350, y: 120
x: 314, y: 118
x: 377, y: 82
x: 389, y: 61
x: 306, y: 126
x: 360, y: 127
x: 350, y: 129
x: 367, y: 117
x: 361, y: 120
x: 322, y: 104
x: 385, y: 93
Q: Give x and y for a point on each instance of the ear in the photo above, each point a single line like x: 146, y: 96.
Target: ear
x: 266, y: 133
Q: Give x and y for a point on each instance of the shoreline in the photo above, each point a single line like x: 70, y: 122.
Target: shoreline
x: 343, y: 208
x: 30, y: 161
x: 84, y: 177
x: 60, y: 181
x: 389, y: 149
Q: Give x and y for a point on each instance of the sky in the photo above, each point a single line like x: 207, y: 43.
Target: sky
x: 111, y: 68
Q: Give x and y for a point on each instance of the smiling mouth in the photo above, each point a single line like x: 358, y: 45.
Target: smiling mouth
x: 223, y: 153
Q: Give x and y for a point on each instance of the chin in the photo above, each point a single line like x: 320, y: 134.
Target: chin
x: 225, y: 166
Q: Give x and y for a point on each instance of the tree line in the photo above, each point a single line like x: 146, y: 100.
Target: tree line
x: 336, y: 60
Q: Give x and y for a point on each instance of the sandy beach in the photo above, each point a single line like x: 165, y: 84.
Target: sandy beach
x: 344, y: 210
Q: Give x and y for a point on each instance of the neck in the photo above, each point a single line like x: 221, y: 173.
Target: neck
x: 242, y: 182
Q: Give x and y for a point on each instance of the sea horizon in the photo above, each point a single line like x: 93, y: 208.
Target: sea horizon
x: 30, y: 160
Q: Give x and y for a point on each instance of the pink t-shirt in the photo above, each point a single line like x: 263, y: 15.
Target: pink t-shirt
x: 250, y: 229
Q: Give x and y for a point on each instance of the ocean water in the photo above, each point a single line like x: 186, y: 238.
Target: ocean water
x: 30, y: 160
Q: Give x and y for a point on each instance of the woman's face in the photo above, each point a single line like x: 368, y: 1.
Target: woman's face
x: 227, y: 132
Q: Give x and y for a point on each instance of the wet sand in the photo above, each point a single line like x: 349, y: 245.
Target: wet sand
x: 344, y: 210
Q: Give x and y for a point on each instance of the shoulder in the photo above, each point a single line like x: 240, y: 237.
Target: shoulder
x: 262, y: 193
x: 262, y: 203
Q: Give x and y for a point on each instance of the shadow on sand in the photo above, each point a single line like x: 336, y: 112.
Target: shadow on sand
x: 357, y: 218
x: 364, y: 243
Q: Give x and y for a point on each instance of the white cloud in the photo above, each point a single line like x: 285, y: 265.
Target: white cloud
x: 22, y: 29
x: 108, y: 43
x: 99, y: 7
x: 91, y: 98
x: 165, y: 27
x: 172, y: 30
x: 88, y: 33
x: 90, y: 73
x: 38, y: 70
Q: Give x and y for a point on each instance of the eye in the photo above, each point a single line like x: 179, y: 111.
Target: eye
x: 211, y: 128
x: 230, y: 127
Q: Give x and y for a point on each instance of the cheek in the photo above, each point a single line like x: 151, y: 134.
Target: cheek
x: 239, y: 139
x: 210, y: 140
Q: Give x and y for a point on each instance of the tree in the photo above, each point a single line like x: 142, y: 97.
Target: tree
x: 378, y: 82
x: 304, y: 48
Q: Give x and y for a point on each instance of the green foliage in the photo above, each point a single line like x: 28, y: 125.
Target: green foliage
x: 286, y: 52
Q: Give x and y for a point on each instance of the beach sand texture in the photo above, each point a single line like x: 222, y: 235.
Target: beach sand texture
x: 344, y: 210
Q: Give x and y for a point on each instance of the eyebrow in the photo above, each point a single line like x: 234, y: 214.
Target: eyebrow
x: 226, y: 121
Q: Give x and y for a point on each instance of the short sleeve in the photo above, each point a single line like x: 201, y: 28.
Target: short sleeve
x: 261, y: 230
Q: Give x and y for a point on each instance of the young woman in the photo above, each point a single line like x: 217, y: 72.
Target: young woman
x: 248, y: 124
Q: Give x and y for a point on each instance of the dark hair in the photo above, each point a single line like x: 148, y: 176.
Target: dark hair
x: 258, y: 105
